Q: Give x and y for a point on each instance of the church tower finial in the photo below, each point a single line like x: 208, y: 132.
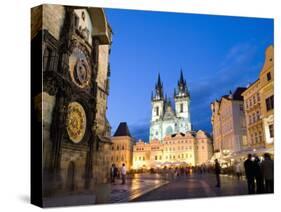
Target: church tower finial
x: 158, y: 89
x: 182, y: 89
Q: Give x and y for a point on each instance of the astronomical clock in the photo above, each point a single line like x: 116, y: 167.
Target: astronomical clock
x: 75, y: 122
x: 79, y: 68
x: 73, y: 83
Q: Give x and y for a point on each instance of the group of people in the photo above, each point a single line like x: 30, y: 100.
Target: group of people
x: 115, y: 173
x: 259, y: 174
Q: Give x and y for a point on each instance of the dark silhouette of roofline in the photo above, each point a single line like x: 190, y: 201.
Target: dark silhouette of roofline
x: 122, y: 130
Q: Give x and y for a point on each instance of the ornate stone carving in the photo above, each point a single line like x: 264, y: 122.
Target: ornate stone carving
x: 76, y: 122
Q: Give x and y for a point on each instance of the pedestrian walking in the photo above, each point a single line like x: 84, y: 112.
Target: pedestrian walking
x: 123, y: 174
x: 113, y: 173
x: 249, y: 171
x: 258, y: 175
x: 218, y: 172
x: 267, y: 172
x: 238, y: 170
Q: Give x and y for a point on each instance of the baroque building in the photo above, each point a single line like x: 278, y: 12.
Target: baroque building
x: 122, y: 146
x: 255, y: 135
x: 228, y: 121
x: 70, y: 49
x: 180, y: 149
x: 259, y: 107
x: 165, y: 120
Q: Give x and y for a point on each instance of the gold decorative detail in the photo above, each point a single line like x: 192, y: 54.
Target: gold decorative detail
x: 76, y: 122
x: 79, y: 68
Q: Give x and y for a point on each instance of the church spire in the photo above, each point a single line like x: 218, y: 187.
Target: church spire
x: 182, y: 89
x: 181, y: 81
x: 158, y: 89
x: 159, y: 84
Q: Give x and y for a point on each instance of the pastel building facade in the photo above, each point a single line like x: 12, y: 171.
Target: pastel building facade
x: 180, y: 149
x: 266, y: 78
x: 259, y: 106
x: 228, y: 121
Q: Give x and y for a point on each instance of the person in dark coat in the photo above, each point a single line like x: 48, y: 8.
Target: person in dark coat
x: 112, y: 173
x: 267, y: 172
x: 258, y: 175
x: 249, y: 171
x: 217, y: 172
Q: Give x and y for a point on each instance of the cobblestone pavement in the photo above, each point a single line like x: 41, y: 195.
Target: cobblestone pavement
x: 135, y: 187
x: 196, y: 186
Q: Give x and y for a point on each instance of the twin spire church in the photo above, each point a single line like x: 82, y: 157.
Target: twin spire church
x: 166, y: 119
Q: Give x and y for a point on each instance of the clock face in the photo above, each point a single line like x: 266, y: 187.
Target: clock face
x: 75, y: 122
x: 79, y: 68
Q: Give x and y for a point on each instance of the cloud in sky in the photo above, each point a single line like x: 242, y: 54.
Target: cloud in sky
x: 217, y: 54
x: 227, y: 77
x: 212, y: 86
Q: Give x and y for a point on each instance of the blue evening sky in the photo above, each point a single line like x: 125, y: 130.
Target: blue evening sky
x: 216, y: 54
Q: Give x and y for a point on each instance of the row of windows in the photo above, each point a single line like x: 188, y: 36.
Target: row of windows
x: 179, y: 148
x: 159, y: 157
x: 254, y: 117
x: 173, y: 148
x: 140, y: 148
x: 252, y: 101
x: 157, y: 109
x: 182, y: 141
x: 256, y: 138
x: 117, y: 158
x: 117, y: 147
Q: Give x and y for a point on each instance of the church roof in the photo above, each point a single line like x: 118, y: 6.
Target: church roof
x: 122, y: 130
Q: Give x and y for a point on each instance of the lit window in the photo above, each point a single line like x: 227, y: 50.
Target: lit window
x: 271, y: 130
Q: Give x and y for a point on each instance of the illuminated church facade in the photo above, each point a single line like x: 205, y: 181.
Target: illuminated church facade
x: 166, y: 119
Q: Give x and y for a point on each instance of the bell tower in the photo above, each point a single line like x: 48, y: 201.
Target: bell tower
x: 157, y: 102
x: 182, y: 101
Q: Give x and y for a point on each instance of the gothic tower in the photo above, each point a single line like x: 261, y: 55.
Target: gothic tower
x: 157, y: 101
x: 166, y: 119
x: 182, y: 101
